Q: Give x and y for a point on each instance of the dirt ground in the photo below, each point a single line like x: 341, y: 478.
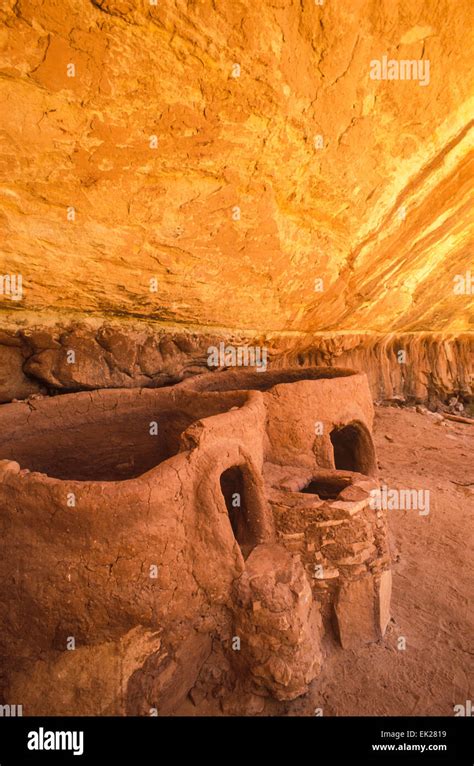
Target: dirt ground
x: 433, y: 557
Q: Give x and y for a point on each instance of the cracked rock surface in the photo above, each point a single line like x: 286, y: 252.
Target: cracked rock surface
x: 93, y: 207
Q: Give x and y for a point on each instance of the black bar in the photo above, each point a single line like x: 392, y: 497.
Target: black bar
x: 314, y: 740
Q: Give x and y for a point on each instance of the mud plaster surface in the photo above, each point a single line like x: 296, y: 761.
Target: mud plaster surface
x: 432, y: 589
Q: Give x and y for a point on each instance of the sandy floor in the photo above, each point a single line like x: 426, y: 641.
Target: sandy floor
x: 433, y: 563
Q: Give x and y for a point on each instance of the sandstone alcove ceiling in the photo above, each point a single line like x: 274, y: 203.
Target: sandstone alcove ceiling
x: 154, y: 161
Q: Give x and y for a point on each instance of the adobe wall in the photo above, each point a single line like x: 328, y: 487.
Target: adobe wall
x: 82, y: 569
x: 303, y: 407
x: 86, y: 571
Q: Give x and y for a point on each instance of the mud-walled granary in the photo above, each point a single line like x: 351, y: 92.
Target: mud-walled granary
x: 233, y: 508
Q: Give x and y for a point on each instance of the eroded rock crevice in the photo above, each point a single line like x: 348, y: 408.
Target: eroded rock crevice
x: 417, y: 367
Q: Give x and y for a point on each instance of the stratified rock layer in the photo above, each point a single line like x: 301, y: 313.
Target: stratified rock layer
x: 419, y: 366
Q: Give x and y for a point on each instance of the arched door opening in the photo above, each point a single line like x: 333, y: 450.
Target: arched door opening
x: 234, y: 489
x: 353, y: 449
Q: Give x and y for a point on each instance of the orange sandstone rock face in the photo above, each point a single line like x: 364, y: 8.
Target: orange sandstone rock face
x: 241, y: 155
